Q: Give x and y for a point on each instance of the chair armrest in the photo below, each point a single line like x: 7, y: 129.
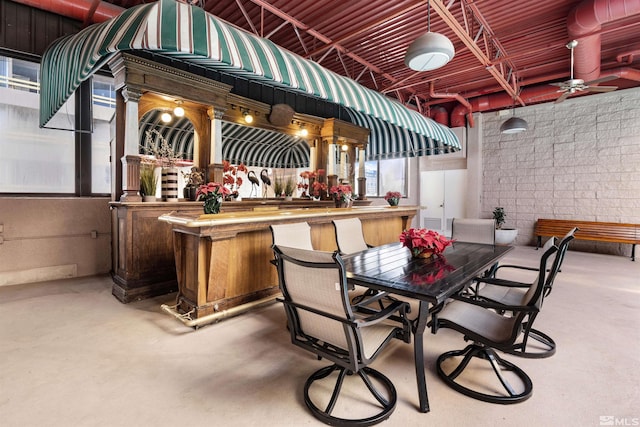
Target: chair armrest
x: 502, y: 282
x: 397, y: 306
x: 495, y: 305
x: 362, y: 304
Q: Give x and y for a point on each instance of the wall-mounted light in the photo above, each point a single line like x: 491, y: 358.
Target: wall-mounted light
x: 345, y: 147
x: 178, y: 111
x: 303, y: 131
x: 165, y: 117
x: 248, y: 118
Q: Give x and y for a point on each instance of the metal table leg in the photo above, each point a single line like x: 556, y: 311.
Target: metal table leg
x: 418, y: 355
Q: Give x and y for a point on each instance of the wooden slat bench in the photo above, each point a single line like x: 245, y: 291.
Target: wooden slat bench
x: 613, y: 232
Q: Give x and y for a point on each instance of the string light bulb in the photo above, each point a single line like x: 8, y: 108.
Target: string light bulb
x: 248, y: 118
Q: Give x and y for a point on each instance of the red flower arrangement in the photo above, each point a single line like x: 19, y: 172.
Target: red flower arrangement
x: 341, y: 192
x: 319, y: 188
x: 230, y: 177
x: 304, y: 185
x: 393, y: 197
x: 422, y: 242
x: 212, y: 194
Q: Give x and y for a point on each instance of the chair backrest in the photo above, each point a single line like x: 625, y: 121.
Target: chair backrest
x: 557, y: 262
x: 535, y: 294
x: 349, y: 235
x: 314, y: 286
x: 474, y: 230
x: 296, y: 235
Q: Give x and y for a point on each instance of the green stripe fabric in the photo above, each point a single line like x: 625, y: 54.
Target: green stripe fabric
x: 262, y: 148
x: 387, y: 141
x: 190, y: 34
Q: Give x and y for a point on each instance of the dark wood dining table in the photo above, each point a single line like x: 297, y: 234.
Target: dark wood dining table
x: 392, y: 269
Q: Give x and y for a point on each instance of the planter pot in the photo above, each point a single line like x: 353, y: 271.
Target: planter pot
x: 148, y: 198
x: 170, y: 184
x: 506, y: 236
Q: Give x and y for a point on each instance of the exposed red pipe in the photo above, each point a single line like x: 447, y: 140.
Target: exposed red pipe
x: 439, y: 114
x: 584, y: 23
x: 456, y: 96
x: 500, y: 100
x: 76, y: 9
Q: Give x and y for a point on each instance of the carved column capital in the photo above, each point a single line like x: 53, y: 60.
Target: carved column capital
x: 215, y: 113
x: 131, y: 94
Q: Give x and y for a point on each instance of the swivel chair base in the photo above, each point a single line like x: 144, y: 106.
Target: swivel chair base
x: 547, y: 349
x: 497, y: 363
x: 388, y: 405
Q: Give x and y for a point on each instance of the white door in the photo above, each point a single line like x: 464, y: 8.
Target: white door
x: 442, y: 196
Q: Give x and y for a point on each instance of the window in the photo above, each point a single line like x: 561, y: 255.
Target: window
x: 386, y: 175
x: 42, y: 161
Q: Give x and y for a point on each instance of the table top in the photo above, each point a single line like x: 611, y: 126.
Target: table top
x: 391, y: 268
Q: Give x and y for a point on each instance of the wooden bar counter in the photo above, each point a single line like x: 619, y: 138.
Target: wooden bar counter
x: 223, y: 261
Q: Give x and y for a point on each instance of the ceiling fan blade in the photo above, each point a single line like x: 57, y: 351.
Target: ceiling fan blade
x: 561, y: 84
x: 602, y: 80
x: 562, y: 97
x: 602, y: 88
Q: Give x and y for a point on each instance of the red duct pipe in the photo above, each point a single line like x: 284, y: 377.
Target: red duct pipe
x: 457, y: 96
x: 76, y: 9
x: 440, y: 115
x: 585, y: 20
x: 499, y: 101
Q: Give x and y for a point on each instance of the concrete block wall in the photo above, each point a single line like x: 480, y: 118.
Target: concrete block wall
x: 580, y: 159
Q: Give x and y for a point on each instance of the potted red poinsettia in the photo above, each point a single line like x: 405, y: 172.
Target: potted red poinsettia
x: 424, y: 243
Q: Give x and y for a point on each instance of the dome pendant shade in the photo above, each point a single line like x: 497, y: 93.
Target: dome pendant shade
x: 514, y: 125
x: 429, y: 51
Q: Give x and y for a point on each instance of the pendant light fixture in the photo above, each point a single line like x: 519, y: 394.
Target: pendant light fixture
x: 430, y: 50
x: 514, y: 124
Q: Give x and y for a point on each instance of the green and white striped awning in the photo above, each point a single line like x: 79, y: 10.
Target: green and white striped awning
x: 388, y: 141
x: 188, y: 33
x: 261, y: 147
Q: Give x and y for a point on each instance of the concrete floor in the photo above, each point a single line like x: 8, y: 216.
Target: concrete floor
x: 72, y: 355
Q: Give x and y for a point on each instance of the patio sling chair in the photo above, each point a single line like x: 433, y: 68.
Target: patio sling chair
x: 295, y: 235
x: 508, y: 292
x: 490, y: 331
x: 349, y: 235
x: 474, y: 230
x: 350, y: 239
x: 322, y: 321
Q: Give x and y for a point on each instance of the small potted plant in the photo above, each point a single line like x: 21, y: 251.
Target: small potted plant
x: 342, y: 195
x: 503, y: 236
x: 289, y: 188
x: 278, y: 187
x: 148, y: 182
x: 393, y: 198
x: 424, y: 243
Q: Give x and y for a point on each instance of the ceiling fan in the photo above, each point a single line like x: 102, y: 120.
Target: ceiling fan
x: 571, y: 86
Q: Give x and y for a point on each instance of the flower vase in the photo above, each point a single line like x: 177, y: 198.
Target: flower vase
x: 393, y: 201
x: 212, y: 205
x: 190, y: 193
x: 170, y: 184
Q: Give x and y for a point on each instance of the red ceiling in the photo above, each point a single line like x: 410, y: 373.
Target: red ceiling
x: 524, y: 42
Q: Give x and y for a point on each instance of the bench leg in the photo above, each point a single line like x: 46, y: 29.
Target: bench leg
x: 539, y: 242
x: 633, y: 252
